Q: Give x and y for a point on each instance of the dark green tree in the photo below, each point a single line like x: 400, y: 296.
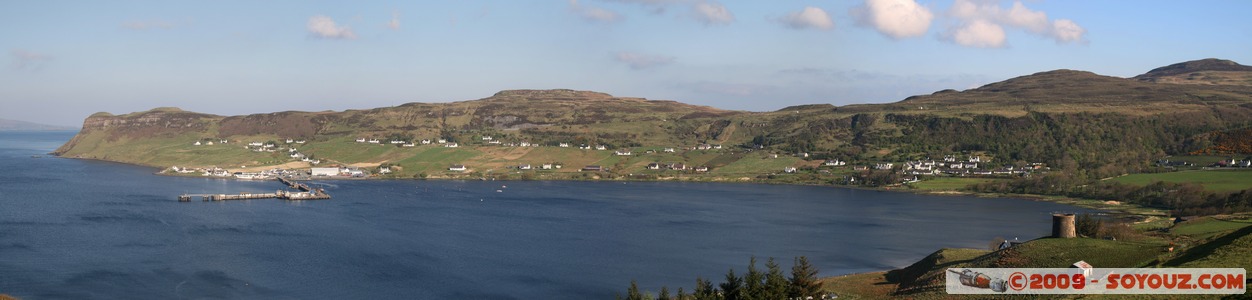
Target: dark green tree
x: 681, y: 294
x: 664, y: 295
x: 633, y: 292
x: 803, y: 281
x: 704, y: 289
x: 732, y: 288
x: 775, y: 282
x: 753, y: 282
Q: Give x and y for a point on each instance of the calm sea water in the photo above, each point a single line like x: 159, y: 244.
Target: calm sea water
x: 81, y: 229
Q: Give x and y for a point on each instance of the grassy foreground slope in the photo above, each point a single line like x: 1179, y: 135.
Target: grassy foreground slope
x: 1209, y: 242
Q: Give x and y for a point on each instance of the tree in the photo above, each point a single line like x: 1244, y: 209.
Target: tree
x: 803, y: 279
x: 732, y: 288
x: 753, y: 282
x: 681, y: 295
x: 633, y: 292
x: 664, y: 295
x: 704, y: 289
x: 775, y: 282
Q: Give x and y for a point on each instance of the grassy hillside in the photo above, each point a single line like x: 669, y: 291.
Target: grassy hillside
x: 1216, y: 242
x: 1071, y: 120
x: 1214, y: 180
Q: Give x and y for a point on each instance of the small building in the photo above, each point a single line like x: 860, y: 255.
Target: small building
x: 546, y: 166
x: 374, y: 141
x: 398, y: 142
x: 443, y: 141
x: 409, y: 145
x: 426, y: 142
x: 563, y: 145
x: 654, y: 166
x: 451, y: 145
x: 289, y: 141
x: 601, y: 147
x: 197, y: 143
x: 584, y: 147
x: 524, y: 144
x: 592, y: 169
x: 524, y: 167
x: 360, y: 140
x: 702, y: 169
x: 487, y: 138
x: 789, y: 170
x: 718, y: 146
x: 884, y: 166
x: 834, y: 163
x: 299, y: 141
x: 668, y: 150
x: 458, y: 168
x: 324, y: 172
x: 677, y: 166
x: 704, y: 147
x: 384, y: 170
x: 622, y: 152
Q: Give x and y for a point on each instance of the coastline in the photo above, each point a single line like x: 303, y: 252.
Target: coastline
x: 1123, y: 209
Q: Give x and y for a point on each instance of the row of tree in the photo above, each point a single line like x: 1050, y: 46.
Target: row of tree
x: 756, y: 284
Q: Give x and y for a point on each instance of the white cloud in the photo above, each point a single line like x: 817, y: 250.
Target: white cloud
x: 977, y: 33
x: 26, y: 60
x: 1016, y: 16
x: 325, y: 27
x: 1065, y: 30
x: 394, y: 24
x: 639, y: 61
x: 810, y: 17
x: 713, y: 13
x: 895, y: 18
x: 595, y: 14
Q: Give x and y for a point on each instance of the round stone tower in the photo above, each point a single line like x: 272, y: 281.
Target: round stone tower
x: 1063, y: 226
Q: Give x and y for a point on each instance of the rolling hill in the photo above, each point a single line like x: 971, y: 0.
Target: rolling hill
x: 1065, y: 118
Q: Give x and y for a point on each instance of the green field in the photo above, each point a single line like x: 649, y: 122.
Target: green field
x: 950, y: 183
x: 1217, y: 181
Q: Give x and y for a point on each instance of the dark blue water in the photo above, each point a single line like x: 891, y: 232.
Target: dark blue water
x: 87, y: 229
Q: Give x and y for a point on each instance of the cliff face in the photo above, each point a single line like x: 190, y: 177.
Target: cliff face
x: 153, y: 123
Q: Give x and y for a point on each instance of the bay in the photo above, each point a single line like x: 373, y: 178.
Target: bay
x: 78, y: 229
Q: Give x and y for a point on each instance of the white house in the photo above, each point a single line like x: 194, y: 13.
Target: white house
x: 669, y: 150
x: 601, y: 147
x: 487, y: 138
x: 834, y: 162
x: 426, y: 142
x: 654, y: 166
x: 524, y: 167
x: 704, y: 147
x: 717, y: 146
x: 789, y: 169
x: 255, y: 144
x: 409, y: 145
x: 622, y: 152
x: 374, y: 141
x: 451, y: 145
x: 584, y: 147
x: 299, y: 141
x: 546, y: 166
x: 360, y: 140
x: 384, y: 170
x: 324, y: 172
x: 210, y: 143
x: 289, y: 141
x: 197, y: 143
x: 458, y: 168
x: 443, y: 141
x: 525, y: 144
x: 397, y: 142
x: 563, y: 145
x: 884, y: 166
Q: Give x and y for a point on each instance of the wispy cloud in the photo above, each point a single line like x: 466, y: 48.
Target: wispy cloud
x: 594, y: 14
x: 394, y: 24
x: 712, y: 13
x: 982, y: 24
x: 639, y: 61
x: 27, y: 60
x: 325, y: 27
x: 809, y: 17
x: 897, y: 19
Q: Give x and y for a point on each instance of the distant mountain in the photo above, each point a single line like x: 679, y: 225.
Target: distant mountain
x: 1210, y: 71
x: 14, y: 125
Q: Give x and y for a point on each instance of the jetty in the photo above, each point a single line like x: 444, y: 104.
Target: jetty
x: 304, y: 192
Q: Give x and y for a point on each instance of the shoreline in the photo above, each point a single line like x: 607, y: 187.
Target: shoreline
x: 1126, y: 209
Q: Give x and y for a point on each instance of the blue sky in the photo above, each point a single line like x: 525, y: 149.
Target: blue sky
x: 67, y: 59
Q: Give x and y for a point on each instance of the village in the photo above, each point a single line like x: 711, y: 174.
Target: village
x: 632, y: 162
